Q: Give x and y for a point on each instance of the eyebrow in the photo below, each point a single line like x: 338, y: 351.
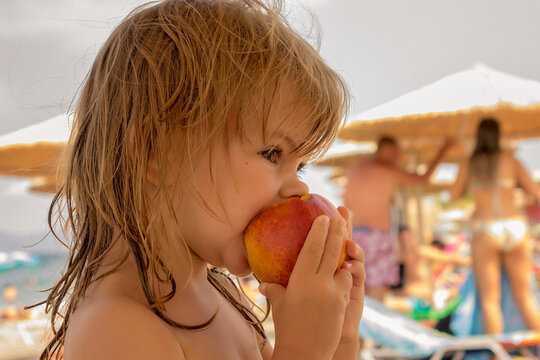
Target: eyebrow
x: 288, y: 140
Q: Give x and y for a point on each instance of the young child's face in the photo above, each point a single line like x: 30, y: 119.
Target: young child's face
x: 249, y: 176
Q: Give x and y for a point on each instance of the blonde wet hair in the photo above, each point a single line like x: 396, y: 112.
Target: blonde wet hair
x: 173, y: 72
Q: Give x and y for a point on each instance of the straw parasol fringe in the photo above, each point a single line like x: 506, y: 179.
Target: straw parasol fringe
x: 35, y: 152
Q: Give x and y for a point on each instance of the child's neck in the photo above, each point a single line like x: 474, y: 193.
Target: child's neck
x: 193, y: 291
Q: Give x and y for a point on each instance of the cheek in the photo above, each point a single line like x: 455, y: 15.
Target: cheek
x: 249, y: 189
x: 239, y: 174
x: 258, y: 182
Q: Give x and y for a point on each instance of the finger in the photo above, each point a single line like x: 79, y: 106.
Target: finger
x: 354, y: 251
x: 359, y: 277
x: 347, y: 297
x: 344, y: 279
x: 346, y: 214
x: 273, y: 292
x: 310, y: 256
x: 356, y: 268
x: 332, y: 249
x: 358, y: 272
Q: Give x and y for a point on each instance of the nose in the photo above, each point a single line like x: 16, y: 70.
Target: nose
x: 293, y: 186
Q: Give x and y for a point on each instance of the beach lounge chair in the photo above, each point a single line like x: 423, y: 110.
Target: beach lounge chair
x: 403, y: 338
x: 22, y: 339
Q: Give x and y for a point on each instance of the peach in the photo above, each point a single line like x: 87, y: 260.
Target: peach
x: 275, y: 237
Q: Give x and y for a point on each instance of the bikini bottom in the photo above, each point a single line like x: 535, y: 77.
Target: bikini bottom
x: 507, y: 232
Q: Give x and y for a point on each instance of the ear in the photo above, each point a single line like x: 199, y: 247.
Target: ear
x: 152, y: 171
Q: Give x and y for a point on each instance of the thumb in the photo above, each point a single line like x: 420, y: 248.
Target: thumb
x: 273, y: 292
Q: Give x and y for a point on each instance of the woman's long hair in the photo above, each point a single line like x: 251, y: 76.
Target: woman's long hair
x: 169, y: 77
x: 485, y: 157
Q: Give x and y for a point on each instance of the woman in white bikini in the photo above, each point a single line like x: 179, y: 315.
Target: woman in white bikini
x: 500, y: 234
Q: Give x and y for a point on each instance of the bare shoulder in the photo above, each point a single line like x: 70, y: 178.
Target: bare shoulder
x: 507, y: 154
x: 355, y: 168
x: 509, y: 159
x: 119, y: 329
x: 369, y: 167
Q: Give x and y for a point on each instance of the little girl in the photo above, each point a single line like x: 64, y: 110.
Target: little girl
x: 195, y: 117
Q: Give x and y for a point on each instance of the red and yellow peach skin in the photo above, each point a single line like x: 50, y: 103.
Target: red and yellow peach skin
x: 275, y: 237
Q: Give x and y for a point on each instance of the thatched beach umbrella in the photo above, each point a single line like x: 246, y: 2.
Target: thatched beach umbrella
x: 34, y: 152
x: 453, y: 106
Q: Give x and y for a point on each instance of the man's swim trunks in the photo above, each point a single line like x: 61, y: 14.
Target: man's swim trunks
x: 380, y: 254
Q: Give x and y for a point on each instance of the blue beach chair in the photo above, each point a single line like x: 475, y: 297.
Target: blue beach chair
x: 404, y: 338
x: 467, y: 318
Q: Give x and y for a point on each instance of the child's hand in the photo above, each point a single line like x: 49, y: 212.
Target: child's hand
x: 355, y: 265
x: 309, y: 314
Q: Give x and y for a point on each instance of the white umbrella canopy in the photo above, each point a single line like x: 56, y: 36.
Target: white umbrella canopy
x: 35, y: 152
x: 452, y: 106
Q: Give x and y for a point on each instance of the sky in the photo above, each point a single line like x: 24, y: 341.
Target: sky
x: 382, y: 49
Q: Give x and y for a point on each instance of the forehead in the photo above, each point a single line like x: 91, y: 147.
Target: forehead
x: 288, y: 115
x: 283, y: 116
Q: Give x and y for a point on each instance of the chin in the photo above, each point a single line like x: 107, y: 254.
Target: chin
x: 241, y: 273
x: 240, y: 270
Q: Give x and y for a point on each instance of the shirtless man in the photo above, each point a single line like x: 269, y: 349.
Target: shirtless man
x: 368, y: 194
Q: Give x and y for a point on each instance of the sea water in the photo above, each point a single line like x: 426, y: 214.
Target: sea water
x: 31, y: 280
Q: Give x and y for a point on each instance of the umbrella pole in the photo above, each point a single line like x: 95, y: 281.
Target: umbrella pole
x: 420, y: 215
x: 420, y: 223
x: 418, y: 198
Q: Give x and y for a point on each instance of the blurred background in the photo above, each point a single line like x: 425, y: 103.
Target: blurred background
x: 382, y: 48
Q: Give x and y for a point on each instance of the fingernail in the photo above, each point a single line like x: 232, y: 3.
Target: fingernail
x: 324, y: 220
x: 342, y: 224
x: 262, y: 289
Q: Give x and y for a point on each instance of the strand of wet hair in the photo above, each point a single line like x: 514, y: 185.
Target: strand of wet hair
x: 247, y: 313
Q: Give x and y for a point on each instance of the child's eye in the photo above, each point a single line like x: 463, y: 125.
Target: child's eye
x: 272, y: 154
